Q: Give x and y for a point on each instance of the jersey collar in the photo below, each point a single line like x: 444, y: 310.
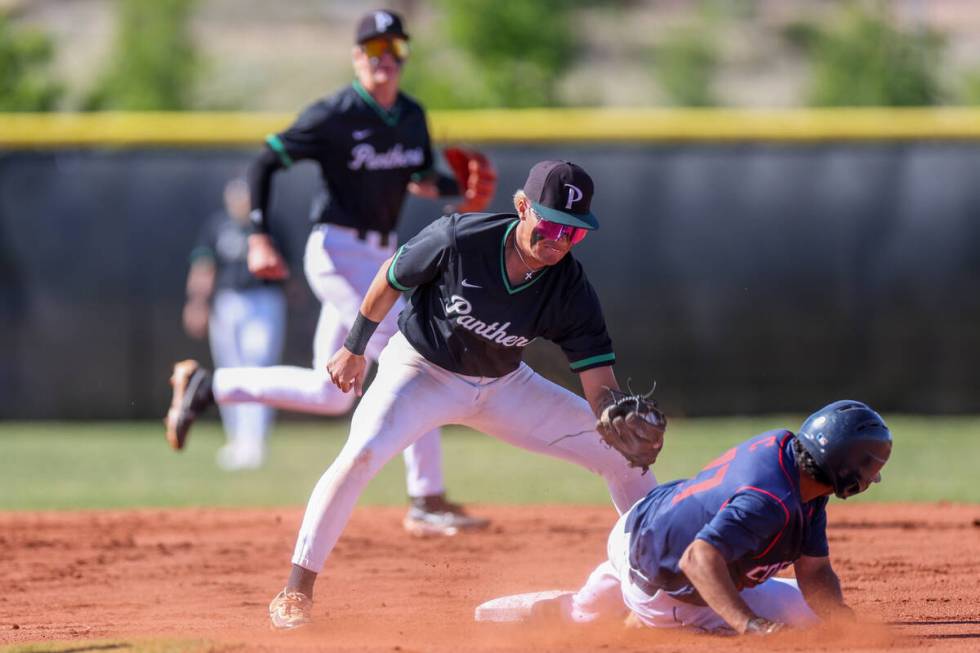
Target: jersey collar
x: 503, y: 264
x: 389, y: 118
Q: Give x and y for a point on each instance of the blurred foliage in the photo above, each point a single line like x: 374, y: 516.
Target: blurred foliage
x: 686, y: 61
x: 509, y: 53
x: 969, y: 91
x: 154, y: 64
x: 26, y: 80
x: 865, y: 59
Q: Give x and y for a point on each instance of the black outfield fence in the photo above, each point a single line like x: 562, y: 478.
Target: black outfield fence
x: 744, y: 277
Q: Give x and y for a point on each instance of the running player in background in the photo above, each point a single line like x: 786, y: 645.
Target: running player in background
x: 701, y: 553
x: 485, y: 286
x: 372, y: 145
x: 243, y: 316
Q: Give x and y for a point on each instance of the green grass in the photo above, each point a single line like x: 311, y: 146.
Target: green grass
x: 48, y: 465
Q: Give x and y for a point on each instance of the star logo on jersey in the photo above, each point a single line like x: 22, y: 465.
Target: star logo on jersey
x: 467, y: 284
x: 360, y: 134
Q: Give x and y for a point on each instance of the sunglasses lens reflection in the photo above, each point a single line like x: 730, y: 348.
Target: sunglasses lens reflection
x: 555, y: 231
x: 376, y: 48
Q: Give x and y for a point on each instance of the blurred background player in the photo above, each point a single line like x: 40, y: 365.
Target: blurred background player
x: 243, y: 316
x: 701, y: 553
x: 372, y: 145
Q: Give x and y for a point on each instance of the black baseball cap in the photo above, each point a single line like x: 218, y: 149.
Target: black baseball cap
x: 380, y: 22
x: 561, y: 192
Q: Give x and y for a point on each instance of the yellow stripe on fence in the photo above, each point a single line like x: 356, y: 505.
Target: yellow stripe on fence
x: 152, y: 129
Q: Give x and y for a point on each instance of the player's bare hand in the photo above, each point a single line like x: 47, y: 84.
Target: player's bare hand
x: 347, y: 371
x: 264, y: 260
x: 425, y: 188
x: 196, y: 318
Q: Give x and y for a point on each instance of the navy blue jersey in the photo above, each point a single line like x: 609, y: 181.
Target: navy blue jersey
x: 746, y: 503
x: 466, y: 317
x: 224, y: 240
x: 367, y: 155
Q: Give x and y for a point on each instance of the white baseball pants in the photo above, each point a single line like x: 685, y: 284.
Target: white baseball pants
x: 610, y: 592
x: 339, y: 268
x: 247, y: 328
x: 411, y: 396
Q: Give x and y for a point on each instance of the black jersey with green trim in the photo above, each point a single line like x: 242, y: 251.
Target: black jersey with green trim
x: 466, y: 317
x: 367, y: 155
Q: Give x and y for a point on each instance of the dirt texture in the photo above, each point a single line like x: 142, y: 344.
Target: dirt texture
x: 912, y: 572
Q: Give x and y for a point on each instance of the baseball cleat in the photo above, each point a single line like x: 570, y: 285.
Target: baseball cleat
x: 290, y: 610
x: 192, y: 394
x: 434, y: 516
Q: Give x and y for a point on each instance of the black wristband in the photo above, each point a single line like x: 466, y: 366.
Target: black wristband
x: 360, y: 333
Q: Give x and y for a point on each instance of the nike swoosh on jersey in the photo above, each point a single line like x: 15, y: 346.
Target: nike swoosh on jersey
x: 360, y: 134
x: 465, y: 284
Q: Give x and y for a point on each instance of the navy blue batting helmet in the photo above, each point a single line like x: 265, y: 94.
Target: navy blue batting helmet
x: 850, y: 444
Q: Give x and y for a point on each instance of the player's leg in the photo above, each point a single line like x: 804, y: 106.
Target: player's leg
x: 306, y: 390
x: 260, y: 343
x: 227, y: 312
x: 341, y: 268
x: 780, y: 599
x: 529, y: 411
x: 408, y: 397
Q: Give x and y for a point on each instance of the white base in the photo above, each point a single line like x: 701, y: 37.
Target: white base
x: 513, y: 608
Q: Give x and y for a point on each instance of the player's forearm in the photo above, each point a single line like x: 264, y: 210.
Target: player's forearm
x: 380, y: 296
x: 821, y: 589
x: 377, y: 303
x: 706, y: 569
x: 200, y: 281
x: 596, y: 384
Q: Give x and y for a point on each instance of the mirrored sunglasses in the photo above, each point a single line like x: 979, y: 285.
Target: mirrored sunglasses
x: 555, y: 231
x: 375, y: 48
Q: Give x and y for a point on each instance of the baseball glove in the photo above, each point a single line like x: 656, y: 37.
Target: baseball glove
x: 633, y: 426
x: 475, y: 175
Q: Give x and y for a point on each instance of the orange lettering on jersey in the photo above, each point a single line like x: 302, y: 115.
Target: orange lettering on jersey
x: 767, y: 442
x: 708, y: 483
x: 726, y: 457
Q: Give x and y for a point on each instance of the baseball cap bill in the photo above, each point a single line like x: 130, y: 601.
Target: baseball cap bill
x: 380, y: 22
x: 561, y: 192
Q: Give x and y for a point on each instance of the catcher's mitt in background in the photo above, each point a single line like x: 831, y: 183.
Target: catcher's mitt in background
x: 475, y: 175
x: 633, y: 426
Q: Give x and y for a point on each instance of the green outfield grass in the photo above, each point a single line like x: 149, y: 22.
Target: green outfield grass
x: 65, y: 466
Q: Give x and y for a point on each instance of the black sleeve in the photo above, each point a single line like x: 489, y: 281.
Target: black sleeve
x: 584, y: 340
x: 259, y: 185
x: 304, y: 139
x: 307, y: 138
x: 422, y: 258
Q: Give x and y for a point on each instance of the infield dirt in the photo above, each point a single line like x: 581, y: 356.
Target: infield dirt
x: 911, y: 571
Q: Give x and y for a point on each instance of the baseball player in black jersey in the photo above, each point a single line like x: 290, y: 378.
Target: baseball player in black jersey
x: 372, y: 145
x: 485, y: 285
x: 243, y: 316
